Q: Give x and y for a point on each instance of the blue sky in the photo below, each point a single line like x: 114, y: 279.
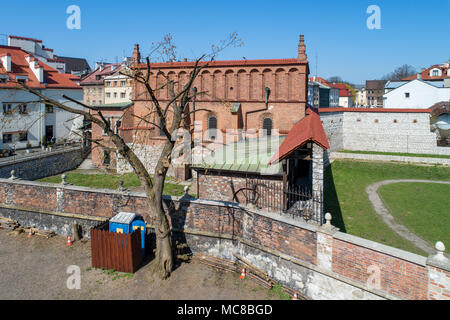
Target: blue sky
x: 412, y: 32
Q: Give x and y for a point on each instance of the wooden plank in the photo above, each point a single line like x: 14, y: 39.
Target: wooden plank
x: 92, y: 234
x: 120, y: 254
x: 101, y: 247
x: 129, y: 267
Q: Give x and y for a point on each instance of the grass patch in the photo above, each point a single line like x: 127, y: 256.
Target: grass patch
x: 347, y: 201
x: 110, y: 181
x: 276, y: 292
x: 421, y: 207
x: 420, y: 155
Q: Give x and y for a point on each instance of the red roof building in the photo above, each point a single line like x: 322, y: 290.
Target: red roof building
x: 17, y: 64
x: 434, y: 73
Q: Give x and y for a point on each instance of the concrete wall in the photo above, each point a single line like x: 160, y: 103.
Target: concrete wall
x: 319, y: 262
x: 42, y: 164
x: 384, y: 131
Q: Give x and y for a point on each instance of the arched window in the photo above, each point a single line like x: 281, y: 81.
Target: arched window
x: 212, y: 127
x: 267, y: 126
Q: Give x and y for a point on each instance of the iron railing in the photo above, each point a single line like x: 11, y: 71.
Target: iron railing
x: 297, y: 201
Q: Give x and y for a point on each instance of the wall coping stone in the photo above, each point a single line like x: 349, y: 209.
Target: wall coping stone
x: 40, y: 155
x: 382, y: 157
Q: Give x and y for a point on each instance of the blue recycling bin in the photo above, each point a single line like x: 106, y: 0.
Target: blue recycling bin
x: 139, y: 224
x: 127, y: 222
x: 121, y: 222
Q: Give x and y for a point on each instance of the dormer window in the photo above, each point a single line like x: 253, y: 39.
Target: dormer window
x: 22, y: 81
x: 435, y: 73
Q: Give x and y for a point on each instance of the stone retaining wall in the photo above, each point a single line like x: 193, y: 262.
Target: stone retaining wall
x: 43, y: 164
x: 318, y: 261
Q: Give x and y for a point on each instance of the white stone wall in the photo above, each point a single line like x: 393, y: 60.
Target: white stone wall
x: 332, y: 123
x: 405, y: 132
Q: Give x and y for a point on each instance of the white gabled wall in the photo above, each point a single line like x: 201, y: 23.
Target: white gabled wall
x: 421, y: 95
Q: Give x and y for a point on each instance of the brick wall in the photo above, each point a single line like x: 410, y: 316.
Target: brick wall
x: 320, y: 262
x: 397, y: 277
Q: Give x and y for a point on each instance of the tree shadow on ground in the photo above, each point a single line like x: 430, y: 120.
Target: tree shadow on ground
x: 331, y: 200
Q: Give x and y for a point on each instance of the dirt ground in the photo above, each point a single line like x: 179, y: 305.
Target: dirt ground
x: 36, y: 268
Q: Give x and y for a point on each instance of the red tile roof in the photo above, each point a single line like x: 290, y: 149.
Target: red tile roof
x: 224, y: 63
x: 343, y: 90
x: 426, y: 73
x: 308, y: 129
x: 92, y: 77
x: 321, y: 80
x: 19, y: 66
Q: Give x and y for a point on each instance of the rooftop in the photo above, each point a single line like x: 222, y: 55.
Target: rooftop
x: 251, y: 156
x: 20, y: 67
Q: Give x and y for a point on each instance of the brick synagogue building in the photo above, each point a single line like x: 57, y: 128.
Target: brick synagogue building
x: 245, y: 99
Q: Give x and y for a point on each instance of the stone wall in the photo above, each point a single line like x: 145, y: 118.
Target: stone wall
x: 43, y: 164
x: 406, y: 131
x: 319, y: 262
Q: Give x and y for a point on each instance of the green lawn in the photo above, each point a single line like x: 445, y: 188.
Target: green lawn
x: 422, y: 207
x: 421, y: 155
x: 346, y: 199
x: 110, y: 181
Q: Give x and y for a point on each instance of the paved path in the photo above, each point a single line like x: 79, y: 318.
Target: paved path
x: 383, y: 212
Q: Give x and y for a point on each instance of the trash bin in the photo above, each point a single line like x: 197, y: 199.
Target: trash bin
x: 139, y: 224
x: 121, y: 222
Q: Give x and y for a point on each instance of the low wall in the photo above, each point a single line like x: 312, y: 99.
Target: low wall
x: 384, y: 130
x: 382, y: 157
x: 42, y: 164
x: 320, y: 262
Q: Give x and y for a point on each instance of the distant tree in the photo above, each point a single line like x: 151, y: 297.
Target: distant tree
x: 336, y: 79
x: 400, y: 73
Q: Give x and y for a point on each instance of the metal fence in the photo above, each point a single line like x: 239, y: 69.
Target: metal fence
x: 119, y: 251
x: 293, y: 200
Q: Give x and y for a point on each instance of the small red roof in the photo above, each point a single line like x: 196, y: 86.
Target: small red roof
x: 308, y: 129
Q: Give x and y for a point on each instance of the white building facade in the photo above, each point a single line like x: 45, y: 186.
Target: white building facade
x: 25, y: 121
x: 416, y: 93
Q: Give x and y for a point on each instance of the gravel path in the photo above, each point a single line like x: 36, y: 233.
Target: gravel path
x: 383, y: 212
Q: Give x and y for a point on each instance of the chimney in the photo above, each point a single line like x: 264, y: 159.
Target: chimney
x: 136, y: 57
x: 301, y: 49
x: 6, y: 61
x: 37, y: 69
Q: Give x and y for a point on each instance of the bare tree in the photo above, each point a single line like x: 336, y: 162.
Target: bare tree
x: 400, y: 73
x: 179, y: 98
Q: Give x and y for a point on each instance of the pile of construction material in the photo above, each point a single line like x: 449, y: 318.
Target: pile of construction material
x: 16, y: 228
x: 246, y: 269
x: 8, y: 224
